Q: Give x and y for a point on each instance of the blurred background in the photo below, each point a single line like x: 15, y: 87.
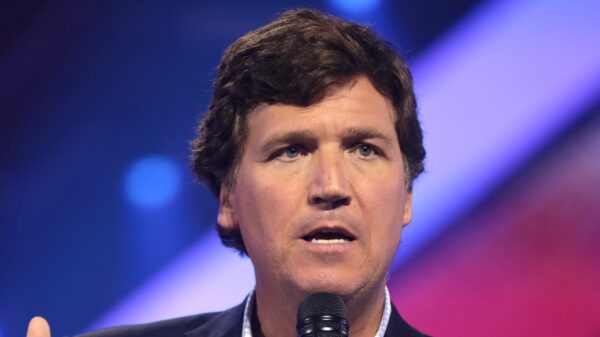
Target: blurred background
x: 102, y: 223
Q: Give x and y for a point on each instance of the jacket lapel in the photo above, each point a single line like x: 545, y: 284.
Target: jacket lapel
x: 397, y: 327
x: 229, y: 324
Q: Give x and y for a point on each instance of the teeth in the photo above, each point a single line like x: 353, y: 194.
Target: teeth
x: 328, y: 241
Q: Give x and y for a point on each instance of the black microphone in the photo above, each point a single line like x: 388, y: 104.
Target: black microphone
x: 322, y: 315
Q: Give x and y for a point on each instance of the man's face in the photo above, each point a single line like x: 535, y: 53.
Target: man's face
x: 320, y: 195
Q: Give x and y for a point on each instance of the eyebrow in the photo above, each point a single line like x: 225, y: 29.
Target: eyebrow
x: 287, y: 137
x: 366, y: 133
x: 297, y: 136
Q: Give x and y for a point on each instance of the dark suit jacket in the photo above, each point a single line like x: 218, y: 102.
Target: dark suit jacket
x: 221, y: 324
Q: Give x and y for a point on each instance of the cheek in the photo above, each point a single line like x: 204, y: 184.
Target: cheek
x: 250, y: 208
x: 263, y: 209
x: 386, y: 208
x: 388, y: 225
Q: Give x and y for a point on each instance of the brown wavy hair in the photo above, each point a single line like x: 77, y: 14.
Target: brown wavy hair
x: 297, y: 59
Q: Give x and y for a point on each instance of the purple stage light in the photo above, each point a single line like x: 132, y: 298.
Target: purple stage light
x: 494, y: 92
x: 205, y: 278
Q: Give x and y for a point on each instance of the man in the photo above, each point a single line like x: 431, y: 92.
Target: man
x: 311, y: 143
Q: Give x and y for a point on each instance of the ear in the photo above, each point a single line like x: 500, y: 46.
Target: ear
x: 226, y: 217
x: 407, y: 209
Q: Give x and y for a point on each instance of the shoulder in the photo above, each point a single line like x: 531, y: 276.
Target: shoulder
x: 397, y: 326
x: 171, y: 327
x: 211, y: 324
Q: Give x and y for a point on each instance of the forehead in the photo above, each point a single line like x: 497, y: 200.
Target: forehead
x: 352, y: 106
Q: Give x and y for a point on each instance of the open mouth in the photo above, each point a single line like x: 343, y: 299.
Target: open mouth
x: 328, y: 236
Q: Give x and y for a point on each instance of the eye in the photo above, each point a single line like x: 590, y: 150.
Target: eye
x: 365, y: 150
x: 288, y: 153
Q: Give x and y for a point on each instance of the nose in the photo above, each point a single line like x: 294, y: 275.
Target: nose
x: 329, y: 185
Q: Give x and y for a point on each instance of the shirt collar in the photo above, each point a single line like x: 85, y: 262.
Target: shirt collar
x: 247, y: 328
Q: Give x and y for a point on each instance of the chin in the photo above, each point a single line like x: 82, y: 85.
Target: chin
x: 328, y: 283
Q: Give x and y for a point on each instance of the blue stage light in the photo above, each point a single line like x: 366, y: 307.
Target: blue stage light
x: 355, y: 6
x: 152, y: 181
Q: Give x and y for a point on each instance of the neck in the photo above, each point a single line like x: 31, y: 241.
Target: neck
x: 276, y: 311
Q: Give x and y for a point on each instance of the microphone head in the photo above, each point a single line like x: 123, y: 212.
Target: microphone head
x: 322, y: 315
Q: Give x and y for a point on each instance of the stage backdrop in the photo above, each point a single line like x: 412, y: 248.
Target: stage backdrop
x: 102, y: 223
